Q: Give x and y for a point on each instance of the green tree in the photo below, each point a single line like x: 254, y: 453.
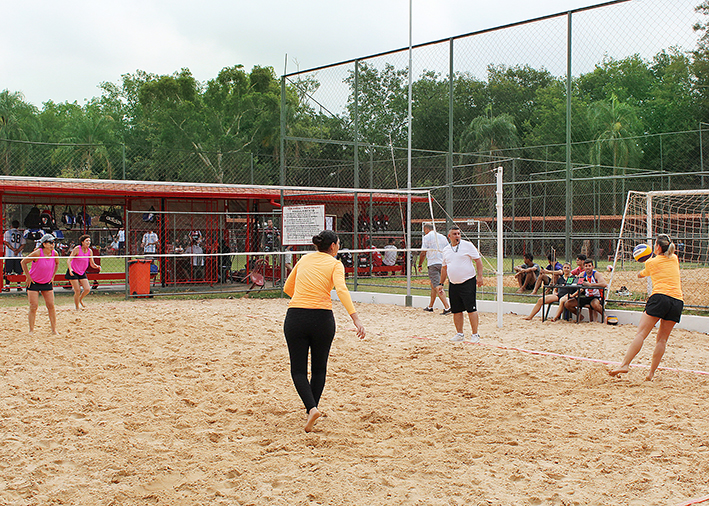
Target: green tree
x: 217, y: 123
x: 616, y: 126
x: 489, y: 138
x: 87, y: 134
x: 17, y: 122
x: 382, y: 104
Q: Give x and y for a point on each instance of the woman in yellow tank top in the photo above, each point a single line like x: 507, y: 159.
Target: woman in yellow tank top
x: 664, y: 305
x: 309, y: 326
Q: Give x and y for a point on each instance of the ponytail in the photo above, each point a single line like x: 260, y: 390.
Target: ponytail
x: 666, y: 244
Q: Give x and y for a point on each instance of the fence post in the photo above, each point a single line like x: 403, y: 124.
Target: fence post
x: 569, y: 186
x: 449, y: 157
x: 283, y: 131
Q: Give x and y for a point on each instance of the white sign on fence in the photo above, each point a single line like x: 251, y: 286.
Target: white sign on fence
x: 301, y: 223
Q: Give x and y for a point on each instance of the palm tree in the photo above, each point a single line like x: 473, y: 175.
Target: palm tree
x: 487, y: 136
x: 86, y: 133
x: 617, y: 125
x: 16, y: 117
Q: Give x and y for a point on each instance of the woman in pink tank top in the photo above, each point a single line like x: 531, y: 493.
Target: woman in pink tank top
x: 79, y: 260
x: 40, y: 276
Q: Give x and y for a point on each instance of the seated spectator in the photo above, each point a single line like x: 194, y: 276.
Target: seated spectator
x: 390, y: 253
x: 594, y: 283
x: 564, y: 294
x: 558, y: 292
x: 527, y: 273
x: 549, y: 275
x: 580, y: 259
x: 197, y: 260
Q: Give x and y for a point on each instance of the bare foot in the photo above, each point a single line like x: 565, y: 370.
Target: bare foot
x: 649, y: 376
x: 312, y: 417
x: 83, y: 305
x: 530, y: 317
x: 621, y: 370
x: 521, y: 290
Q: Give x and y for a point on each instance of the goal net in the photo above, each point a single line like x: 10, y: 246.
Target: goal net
x: 684, y: 216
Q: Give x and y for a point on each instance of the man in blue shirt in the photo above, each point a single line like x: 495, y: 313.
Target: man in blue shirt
x: 550, y: 274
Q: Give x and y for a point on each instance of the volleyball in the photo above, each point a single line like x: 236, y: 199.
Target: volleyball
x: 642, y: 252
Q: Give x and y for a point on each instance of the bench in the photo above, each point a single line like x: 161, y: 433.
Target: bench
x: 383, y: 269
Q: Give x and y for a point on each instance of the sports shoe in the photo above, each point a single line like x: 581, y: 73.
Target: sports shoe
x: 475, y: 338
x: 458, y: 338
x: 19, y: 288
x: 6, y: 289
x: 428, y: 309
x: 446, y: 311
x: 624, y: 292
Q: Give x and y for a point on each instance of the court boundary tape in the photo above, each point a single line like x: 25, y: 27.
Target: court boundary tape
x: 570, y: 357
x: 698, y: 500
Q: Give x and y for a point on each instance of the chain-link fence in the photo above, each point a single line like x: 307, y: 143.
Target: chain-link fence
x: 139, y: 163
x: 578, y: 108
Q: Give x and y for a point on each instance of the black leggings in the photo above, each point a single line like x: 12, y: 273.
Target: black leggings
x: 314, y: 330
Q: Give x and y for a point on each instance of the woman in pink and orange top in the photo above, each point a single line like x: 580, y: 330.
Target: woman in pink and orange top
x: 79, y: 260
x: 40, y: 276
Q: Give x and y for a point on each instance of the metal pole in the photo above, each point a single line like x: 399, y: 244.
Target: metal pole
x: 500, y: 256
x: 701, y: 153
x: 449, y: 158
x: 123, y: 152
x: 407, y: 254
x: 355, y: 207
x: 283, y: 132
x: 569, y: 187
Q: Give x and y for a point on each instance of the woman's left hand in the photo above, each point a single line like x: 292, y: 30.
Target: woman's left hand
x: 358, y: 325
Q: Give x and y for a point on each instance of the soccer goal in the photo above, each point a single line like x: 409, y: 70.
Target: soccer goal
x: 681, y: 214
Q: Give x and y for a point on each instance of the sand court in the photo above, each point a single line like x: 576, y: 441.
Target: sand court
x: 191, y: 402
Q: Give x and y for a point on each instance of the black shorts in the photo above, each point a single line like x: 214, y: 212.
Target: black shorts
x: 586, y: 301
x: 75, y: 275
x: 463, y: 296
x: 664, y: 307
x: 40, y: 287
x: 13, y: 266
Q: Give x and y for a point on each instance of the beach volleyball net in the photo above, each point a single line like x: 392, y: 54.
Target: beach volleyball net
x: 253, y: 244
x: 681, y: 214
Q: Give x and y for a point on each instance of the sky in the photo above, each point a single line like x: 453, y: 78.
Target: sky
x: 61, y: 50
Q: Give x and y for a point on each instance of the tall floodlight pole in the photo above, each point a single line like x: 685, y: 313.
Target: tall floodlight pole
x: 408, y: 172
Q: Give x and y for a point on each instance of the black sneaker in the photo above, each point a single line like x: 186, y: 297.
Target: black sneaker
x: 428, y: 309
x: 447, y: 311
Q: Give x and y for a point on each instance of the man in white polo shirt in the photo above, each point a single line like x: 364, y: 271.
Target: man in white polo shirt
x: 461, y: 263
x: 433, y: 243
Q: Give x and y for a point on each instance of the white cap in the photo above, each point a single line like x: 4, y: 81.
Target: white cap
x: 47, y: 238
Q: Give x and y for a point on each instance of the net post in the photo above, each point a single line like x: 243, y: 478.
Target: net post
x: 500, y: 260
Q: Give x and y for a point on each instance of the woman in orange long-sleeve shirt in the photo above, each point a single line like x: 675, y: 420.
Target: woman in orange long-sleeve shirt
x: 664, y: 305
x: 309, y: 326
